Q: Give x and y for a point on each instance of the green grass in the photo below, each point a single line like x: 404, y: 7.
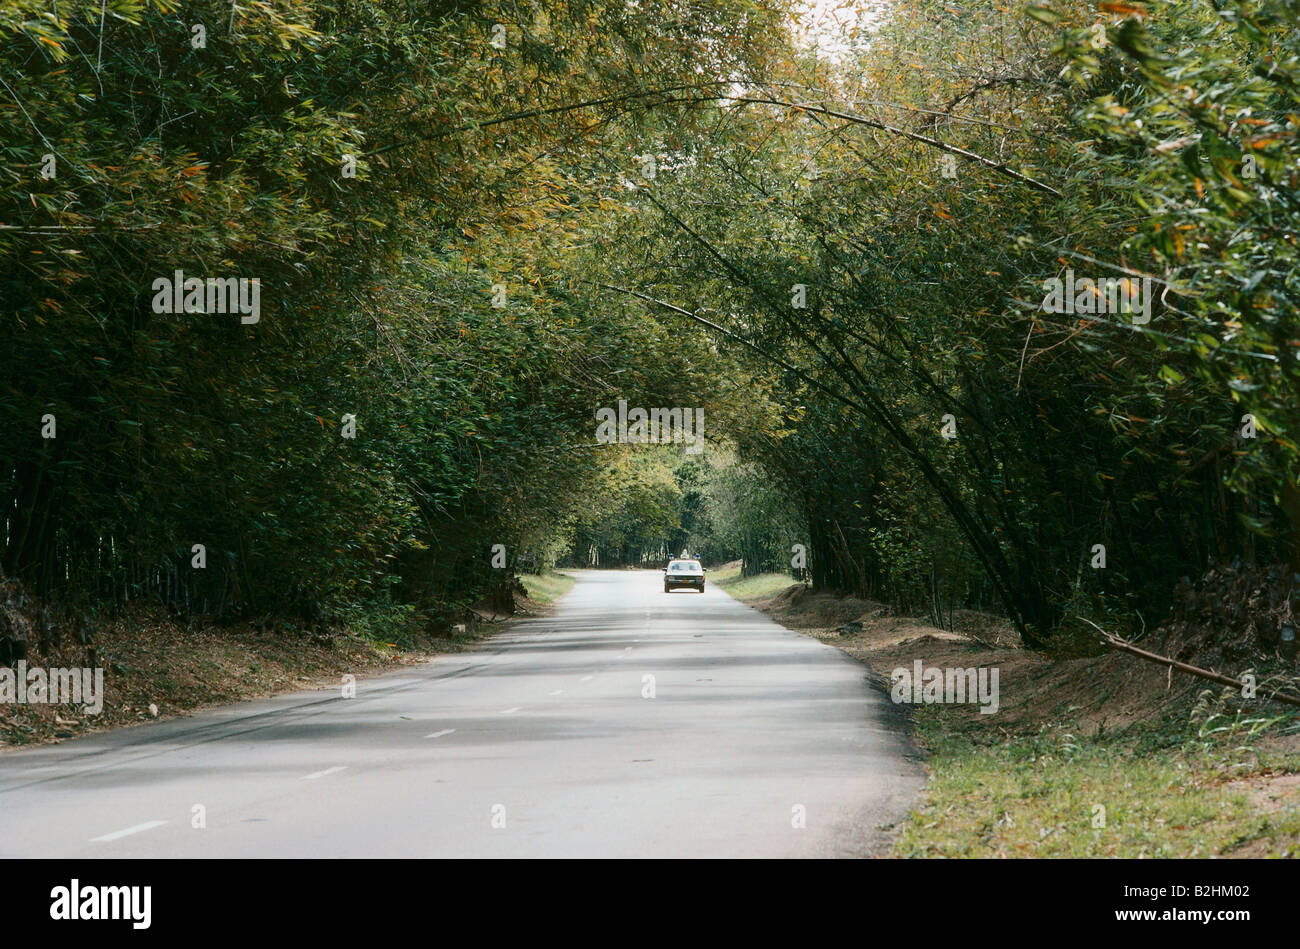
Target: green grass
x: 1038, y: 795
x: 758, y: 587
x: 548, y: 587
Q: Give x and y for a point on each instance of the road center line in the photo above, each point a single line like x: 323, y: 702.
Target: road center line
x: 119, y: 834
x: 445, y: 731
x: 320, y: 774
x: 557, y: 692
x: 507, y: 711
x: 587, y: 678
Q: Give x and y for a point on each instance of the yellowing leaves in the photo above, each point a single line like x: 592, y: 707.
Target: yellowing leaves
x: 1122, y: 9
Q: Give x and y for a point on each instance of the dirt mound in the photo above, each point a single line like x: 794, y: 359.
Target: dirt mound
x: 790, y: 595
x: 986, y: 627
x: 808, y: 609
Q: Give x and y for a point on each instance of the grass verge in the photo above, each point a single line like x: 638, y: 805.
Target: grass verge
x: 1171, y: 789
x: 548, y: 587
x: 745, y: 589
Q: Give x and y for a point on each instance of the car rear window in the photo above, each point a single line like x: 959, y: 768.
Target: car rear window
x: 683, y: 566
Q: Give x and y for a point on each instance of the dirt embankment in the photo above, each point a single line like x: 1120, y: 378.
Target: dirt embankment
x: 1106, y: 692
x: 156, y: 666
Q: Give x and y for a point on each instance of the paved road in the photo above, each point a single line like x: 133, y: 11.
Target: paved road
x: 544, y: 729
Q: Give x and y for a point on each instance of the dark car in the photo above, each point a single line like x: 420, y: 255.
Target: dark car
x: 683, y: 574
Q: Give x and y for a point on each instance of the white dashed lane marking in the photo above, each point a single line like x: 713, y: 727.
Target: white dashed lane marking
x: 320, y: 774
x: 445, y: 731
x: 119, y: 834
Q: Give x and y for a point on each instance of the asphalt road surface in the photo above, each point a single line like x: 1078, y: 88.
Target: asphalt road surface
x: 545, y: 742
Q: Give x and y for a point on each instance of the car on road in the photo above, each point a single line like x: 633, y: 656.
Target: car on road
x: 683, y: 574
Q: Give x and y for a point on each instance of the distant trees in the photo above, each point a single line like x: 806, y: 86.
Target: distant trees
x: 656, y: 503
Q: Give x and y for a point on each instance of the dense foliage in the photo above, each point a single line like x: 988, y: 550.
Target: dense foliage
x: 401, y: 180
x: 475, y: 224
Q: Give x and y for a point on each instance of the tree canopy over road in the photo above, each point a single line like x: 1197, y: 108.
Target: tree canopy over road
x: 473, y: 225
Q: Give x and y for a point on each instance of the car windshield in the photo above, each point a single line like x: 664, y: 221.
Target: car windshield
x: 684, y: 566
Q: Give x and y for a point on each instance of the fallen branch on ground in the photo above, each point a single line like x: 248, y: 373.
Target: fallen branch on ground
x: 1123, y: 645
